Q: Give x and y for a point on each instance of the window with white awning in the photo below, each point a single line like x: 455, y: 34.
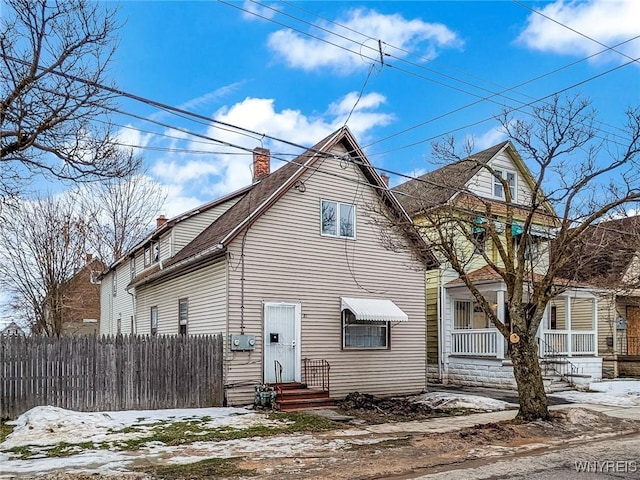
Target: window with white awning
x: 366, y: 322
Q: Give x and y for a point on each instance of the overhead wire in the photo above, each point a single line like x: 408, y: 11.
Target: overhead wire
x: 494, y: 94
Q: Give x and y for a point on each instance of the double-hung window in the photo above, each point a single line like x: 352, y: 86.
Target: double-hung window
x: 338, y: 219
x: 154, y: 320
x: 183, y: 315
x: 498, y: 187
x: 357, y: 334
x: 151, y: 253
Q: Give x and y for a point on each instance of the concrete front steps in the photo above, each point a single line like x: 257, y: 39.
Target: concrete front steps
x: 297, y: 396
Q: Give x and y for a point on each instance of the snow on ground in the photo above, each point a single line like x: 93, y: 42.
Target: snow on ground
x: 619, y: 393
x: 452, y: 400
x: 52, y: 425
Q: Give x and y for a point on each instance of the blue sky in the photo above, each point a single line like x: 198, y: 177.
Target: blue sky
x: 295, y: 70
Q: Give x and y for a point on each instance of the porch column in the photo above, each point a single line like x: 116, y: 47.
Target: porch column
x: 568, y: 326
x: 595, y: 326
x: 501, y: 316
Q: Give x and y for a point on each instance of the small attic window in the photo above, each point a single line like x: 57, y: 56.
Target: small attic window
x: 151, y: 253
x: 498, y: 188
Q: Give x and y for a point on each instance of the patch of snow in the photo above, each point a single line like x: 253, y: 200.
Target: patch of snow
x: 47, y: 425
x: 621, y: 386
x: 581, y: 416
x: 452, y: 400
x: 617, y: 393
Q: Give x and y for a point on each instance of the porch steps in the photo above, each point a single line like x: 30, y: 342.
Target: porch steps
x: 297, y: 396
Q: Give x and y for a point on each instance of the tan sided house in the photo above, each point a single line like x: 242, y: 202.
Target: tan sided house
x: 296, y: 274
x: 463, y: 346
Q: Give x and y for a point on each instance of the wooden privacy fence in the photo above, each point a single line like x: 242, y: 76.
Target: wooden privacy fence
x: 102, y: 373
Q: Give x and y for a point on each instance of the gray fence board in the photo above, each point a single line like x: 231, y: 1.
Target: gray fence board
x: 98, y: 373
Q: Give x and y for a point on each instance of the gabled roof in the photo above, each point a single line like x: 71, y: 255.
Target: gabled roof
x: 171, y: 222
x: 604, y: 252
x: 264, y: 193
x: 441, y: 185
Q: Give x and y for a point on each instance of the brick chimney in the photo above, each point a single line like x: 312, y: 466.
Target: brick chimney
x: 261, y: 163
x: 385, y: 179
x: 161, y: 220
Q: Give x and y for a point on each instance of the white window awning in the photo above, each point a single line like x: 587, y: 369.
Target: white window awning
x: 374, y: 309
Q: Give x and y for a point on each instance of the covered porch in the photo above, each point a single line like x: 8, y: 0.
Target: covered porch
x: 568, y: 328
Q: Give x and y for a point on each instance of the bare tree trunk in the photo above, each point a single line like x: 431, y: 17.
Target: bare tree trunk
x: 528, y: 375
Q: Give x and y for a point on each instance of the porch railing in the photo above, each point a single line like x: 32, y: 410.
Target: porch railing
x: 556, y: 362
x: 568, y: 342
x: 629, y: 345
x: 476, y: 342
x: 315, y: 373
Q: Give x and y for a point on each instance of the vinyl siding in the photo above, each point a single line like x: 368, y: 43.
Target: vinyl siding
x: 606, y: 324
x: 582, y: 314
x: 433, y: 290
x: 482, y: 183
x: 186, y: 230
x: 118, y: 306
x: 206, y: 293
x: 286, y: 259
x: 106, y: 305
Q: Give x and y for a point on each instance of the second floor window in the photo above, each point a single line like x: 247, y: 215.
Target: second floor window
x: 154, y: 320
x: 151, y: 253
x: 183, y: 315
x: 338, y: 219
x: 132, y: 267
x: 498, y: 187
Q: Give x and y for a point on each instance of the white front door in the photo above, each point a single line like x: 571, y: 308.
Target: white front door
x: 281, y: 341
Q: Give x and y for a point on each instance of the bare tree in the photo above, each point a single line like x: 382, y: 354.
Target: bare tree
x: 579, y: 178
x: 43, y: 243
x: 121, y: 212
x: 53, y: 58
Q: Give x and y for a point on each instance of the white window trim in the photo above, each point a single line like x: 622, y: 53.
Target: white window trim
x: 337, y: 235
x: 153, y: 309
x: 496, y: 182
x: 183, y: 301
x: 386, y: 325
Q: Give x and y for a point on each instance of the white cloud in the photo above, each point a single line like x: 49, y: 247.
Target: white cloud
x: 357, y: 51
x: 608, y: 21
x: 225, y: 169
x: 254, y: 11
x: 488, y: 139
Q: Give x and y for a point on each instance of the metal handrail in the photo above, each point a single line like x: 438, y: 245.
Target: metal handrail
x: 629, y: 345
x: 278, y: 367
x: 555, y: 355
x: 315, y: 373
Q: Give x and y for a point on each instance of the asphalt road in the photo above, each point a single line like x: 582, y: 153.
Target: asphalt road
x: 609, y: 458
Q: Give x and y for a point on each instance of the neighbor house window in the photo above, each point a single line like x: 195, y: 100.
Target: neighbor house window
x: 114, y: 283
x: 357, y: 334
x: 154, y: 320
x: 151, y: 253
x: 461, y: 314
x: 468, y: 314
x: 479, y: 241
x: 183, y: 315
x: 338, y: 219
x: 132, y: 267
x: 498, y: 187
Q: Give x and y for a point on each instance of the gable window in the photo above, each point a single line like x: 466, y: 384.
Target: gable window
x: 498, y: 187
x: 154, y: 320
x: 359, y: 334
x: 338, y: 219
x: 151, y: 253
x: 183, y: 315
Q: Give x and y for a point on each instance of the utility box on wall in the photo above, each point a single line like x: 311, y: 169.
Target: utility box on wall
x: 243, y: 342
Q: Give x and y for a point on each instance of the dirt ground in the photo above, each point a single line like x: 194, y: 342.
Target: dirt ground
x: 400, y: 454
x: 404, y: 456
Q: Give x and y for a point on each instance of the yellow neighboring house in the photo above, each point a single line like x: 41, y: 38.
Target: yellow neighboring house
x: 463, y: 346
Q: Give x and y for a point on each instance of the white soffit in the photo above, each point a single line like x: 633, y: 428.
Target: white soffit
x: 374, y: 309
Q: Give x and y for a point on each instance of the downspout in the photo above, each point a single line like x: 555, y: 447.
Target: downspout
x: 441, y: 335
x: 134, y: 325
